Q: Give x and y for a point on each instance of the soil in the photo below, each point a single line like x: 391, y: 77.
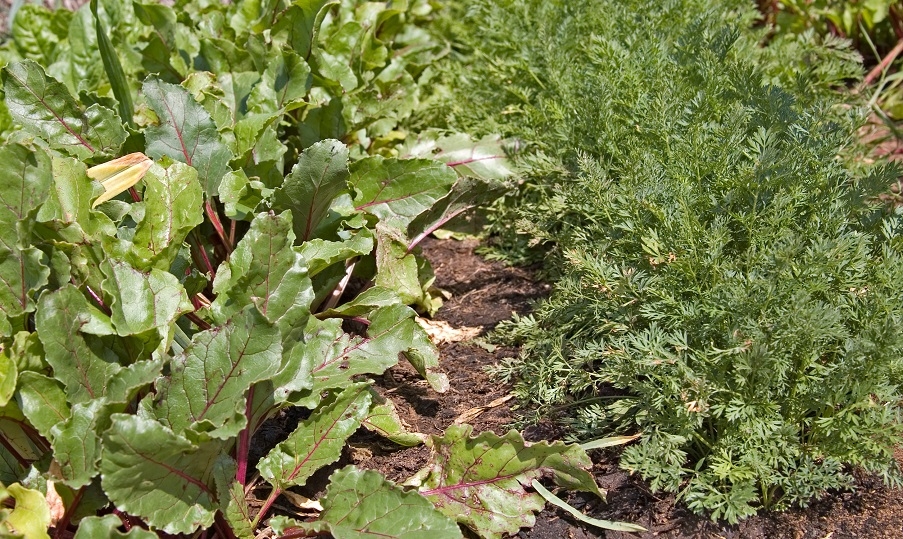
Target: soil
x: 485, y: 293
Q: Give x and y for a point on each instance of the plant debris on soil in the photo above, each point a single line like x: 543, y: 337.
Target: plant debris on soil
x: 485, y: 293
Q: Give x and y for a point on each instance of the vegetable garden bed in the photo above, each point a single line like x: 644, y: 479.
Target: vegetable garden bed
x: 221, y: 305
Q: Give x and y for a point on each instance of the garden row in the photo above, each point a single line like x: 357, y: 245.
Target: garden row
x: 212, y: 213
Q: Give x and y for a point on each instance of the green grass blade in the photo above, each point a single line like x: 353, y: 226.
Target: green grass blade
x: 604, y: 524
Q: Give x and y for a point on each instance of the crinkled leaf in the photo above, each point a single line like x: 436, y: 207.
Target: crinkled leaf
x: 397, y: 190
x: 319, y: 176
x: 240, y: 195
x: 396, y: 268
x: 319, y: 254
x: 336, y: 357
x: 186, y: 133
x: 173, y: 207
x: 151, y: 472
x: 423, y: 355
x: 22, y: 272
x: 31, y: 516
x: 206, y: 388
x: 362, y: 504
x: 143, y: 300
x: 44, y: 107
x: 76, y: 442
x: 385, y: 421
x: 237, y: 512
x: 482, y: 481
x: 107, y: 527
x: 43, y: 402
x: 285, y: 83
x: 27, y: 179
x: 298, y: 24
x: 267, y: 271
x: 318, y: 440
x: 87, y: 364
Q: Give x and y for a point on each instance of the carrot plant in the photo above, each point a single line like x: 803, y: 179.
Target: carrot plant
x: 727, y: 284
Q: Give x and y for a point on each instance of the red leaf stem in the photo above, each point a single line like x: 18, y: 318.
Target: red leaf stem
x: 63, y: 524
x: 97, y: 299
x: 134, y: 192
x: 213, y: 215
x: 244, y: 442
x: 12, y: 450
x: 198, y: 321
x: 878, y: 69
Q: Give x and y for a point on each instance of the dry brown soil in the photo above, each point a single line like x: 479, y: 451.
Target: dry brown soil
x: 486, y: 293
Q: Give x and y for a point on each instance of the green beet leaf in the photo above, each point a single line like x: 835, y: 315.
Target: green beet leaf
x: 8, y: 377
x: 149, y: 471
x: 27, y: 180
x: 484, y: 160
x: 143, y: 301
x: 79, y: 345
x: 362, y: 504
x: 107, y: 527
x: 76, y: 442
x: 208, y: 382
x: 186, y: 133
x: 335, y: 358
x: 26, y: 185
x: 481, y: 482
x: 317, y: 441
x: 173, y: 201
x: 320, y: 254
x: 285, y: 83
x: 265, y: 270
x: 45, y: 108
x: 397, y: 190
x: 43, y: 402
x: 319, y: 176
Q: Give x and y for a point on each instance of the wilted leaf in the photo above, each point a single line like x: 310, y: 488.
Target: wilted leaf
x: 318, y: 440
x: 206, y: 388
x: 398, y: 190
x: 481, y: 482
x: 186, y: 133
x: 361, y: 504
x: 151, y: 472
x: 385, y: 421
x: 44, y: 107
x: 319, y: 176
